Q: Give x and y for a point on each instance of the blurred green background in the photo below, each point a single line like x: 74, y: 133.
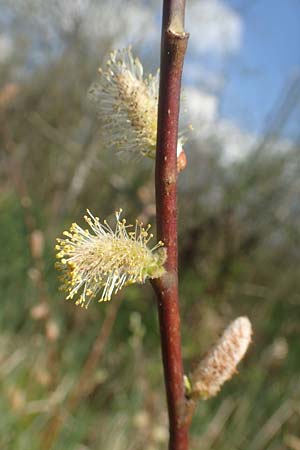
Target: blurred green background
x: 239, y: 239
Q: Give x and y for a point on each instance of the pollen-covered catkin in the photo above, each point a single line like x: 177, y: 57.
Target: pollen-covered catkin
x: 220, y: 363
x: 127, y: 104
x: 99, y: 263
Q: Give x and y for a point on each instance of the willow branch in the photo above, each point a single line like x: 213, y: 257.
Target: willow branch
x: 173, y: 47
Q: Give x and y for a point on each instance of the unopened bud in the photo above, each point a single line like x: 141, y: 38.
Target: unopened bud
x: 39, y: 312
x: 220, y: 363
x: 181, y: 161
x: 52, y: 330
x: 36, y: 243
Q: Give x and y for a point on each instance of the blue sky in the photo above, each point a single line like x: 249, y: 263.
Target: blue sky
x: 269, y: 55
x: 250, y: 47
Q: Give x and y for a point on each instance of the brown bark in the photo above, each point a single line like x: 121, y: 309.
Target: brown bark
x: 173, y: 46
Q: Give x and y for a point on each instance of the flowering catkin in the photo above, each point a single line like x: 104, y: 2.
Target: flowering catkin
x: 220, y: 363
x: 127, y: 104
x: 102, y: 262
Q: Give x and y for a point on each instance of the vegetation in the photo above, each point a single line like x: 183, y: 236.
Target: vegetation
x: 239, y: 255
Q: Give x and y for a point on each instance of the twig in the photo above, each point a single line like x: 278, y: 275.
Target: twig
x: 35, y: 240
x: 84, y: 384
x: 173, y: 46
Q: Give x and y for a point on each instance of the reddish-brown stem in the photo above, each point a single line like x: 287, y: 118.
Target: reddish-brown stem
x: 173, y: 46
